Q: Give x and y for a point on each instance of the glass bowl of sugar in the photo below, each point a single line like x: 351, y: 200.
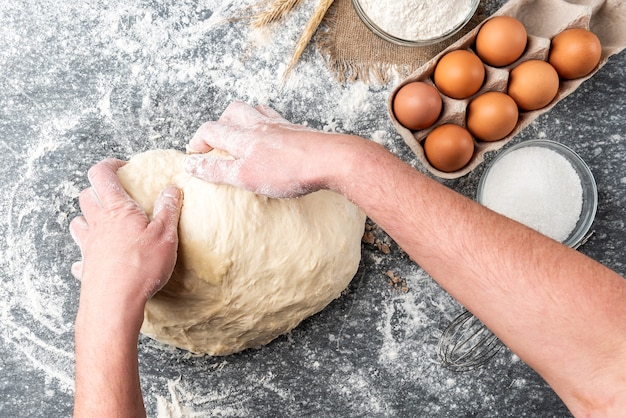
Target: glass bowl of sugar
x: 544, y: 185
x: 415, y: 23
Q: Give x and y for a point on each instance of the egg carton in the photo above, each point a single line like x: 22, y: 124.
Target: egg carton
x: 543, y: 19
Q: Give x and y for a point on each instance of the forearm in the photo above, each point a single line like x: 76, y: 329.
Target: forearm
x: 107, y: 375
x: 561, y: 312
x: 126, y: 258
x: 532, y: 292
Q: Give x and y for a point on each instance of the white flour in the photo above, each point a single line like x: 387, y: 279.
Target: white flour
x: 416, y: 20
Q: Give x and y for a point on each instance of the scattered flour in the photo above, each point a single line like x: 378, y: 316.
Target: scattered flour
x: 89, y: 81
x: 117, y: 77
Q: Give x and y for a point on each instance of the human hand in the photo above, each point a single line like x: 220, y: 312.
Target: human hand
x: 126, y: 257
x: 270, y: 155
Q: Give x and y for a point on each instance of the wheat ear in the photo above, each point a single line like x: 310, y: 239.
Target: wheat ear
x: 276, y: 11
x: 307, y: 34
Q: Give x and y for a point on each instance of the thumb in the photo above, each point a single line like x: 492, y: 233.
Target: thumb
x: 213, y: 169
x: 77, y: 270
x: 167, y: 207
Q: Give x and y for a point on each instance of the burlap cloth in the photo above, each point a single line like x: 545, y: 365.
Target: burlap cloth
x: 353, y: 52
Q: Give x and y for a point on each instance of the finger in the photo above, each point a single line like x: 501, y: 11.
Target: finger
x: 106, y: 185
x: 200, y: 142
x: 223, y: 137
x: 79, y: 229
x: 232, y: 107
x: 237, y: 116
x: 77, y: 270
x: 242, y: 114
x: 89, y: 202
x: 167, y: 206
x: 112, y: 164
x: 164, y: 224
x: 213, y: 169
x: 269, y: 112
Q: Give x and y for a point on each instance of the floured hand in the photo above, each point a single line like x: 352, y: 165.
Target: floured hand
x: 126, y: 257
x: 271, y: 156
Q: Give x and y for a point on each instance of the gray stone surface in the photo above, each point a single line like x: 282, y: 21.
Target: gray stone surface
x: 81, y: 81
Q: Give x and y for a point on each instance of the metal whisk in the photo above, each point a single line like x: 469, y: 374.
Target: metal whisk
x: 467, y: 343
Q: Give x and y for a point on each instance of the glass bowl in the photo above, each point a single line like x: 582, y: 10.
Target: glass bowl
x: 589, y: 189
x: 454, y: 28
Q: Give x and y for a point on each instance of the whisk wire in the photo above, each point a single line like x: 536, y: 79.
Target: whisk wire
x: 466, y: 343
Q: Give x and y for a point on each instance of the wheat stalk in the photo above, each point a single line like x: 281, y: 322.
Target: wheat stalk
x: 276, y: 11
x: 307, y: 34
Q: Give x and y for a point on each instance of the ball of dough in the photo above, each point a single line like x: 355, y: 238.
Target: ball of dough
x: 249, y: 268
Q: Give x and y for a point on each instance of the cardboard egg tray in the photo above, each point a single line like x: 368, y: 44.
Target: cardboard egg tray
x: 543, y: 19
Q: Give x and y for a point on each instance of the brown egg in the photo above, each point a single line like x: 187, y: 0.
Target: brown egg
x: 501, y: 41
x: 417, y: 105
x: 575, y: 53
x: 449, y: 147
x: 492, y: 116
x: 459, y: 74
x: 533, y: 84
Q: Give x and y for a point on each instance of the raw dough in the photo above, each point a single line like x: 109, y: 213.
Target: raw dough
x: 249, y: 268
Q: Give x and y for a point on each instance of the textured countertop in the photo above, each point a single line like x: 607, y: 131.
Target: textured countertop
x: 81, y: 81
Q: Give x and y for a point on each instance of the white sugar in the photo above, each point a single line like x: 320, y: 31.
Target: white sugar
x: 537, y: 187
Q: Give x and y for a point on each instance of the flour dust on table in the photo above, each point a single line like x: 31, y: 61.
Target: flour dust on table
x: 84, y: 81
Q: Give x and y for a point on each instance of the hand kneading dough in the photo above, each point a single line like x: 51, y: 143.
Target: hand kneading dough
x: 249, y: 268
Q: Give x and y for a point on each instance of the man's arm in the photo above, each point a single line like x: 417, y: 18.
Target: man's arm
x: 561, y: 312
x: 126, y: 258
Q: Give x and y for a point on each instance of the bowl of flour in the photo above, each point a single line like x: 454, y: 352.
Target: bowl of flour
x: 415, y: 23
x: 544, y: 185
